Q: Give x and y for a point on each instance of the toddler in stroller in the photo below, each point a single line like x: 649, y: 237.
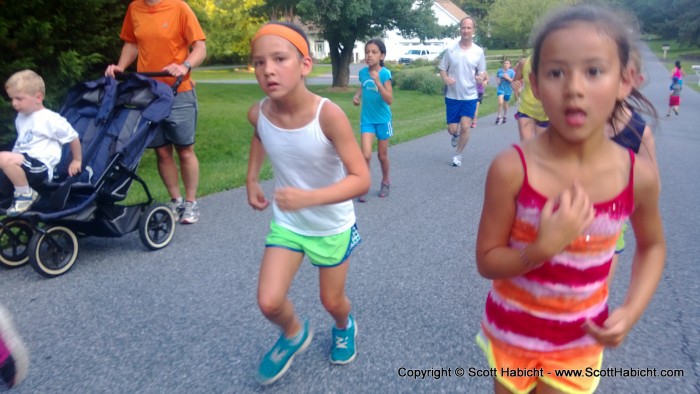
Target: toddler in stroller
x: 115, y: 122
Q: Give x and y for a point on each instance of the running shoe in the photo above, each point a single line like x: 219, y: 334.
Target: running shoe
x: 22, y: 202
x: 457, y: 161
x: 190, y: 213
x: 498, y: 120
x: 14, y: 359
x: 177, y: 205
x: 343, y: 347
x: 384, y: 191
x: 455, y: 139
x: 277, y: 361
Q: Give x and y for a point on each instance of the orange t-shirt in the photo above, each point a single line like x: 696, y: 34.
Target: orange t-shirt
x: 163, y: 33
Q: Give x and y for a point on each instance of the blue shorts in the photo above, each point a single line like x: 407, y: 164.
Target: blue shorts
x: 180, y: 126
x: 506, y: 97
x: 382, y: 130
x: 541, y: 123
x: 457, y: 109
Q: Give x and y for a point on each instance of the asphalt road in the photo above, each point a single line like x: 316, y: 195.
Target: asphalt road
x: 185, y: 319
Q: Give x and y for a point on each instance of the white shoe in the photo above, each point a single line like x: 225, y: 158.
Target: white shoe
x: 457, y: 161
x: 22, y: 202
x: 190, y: 213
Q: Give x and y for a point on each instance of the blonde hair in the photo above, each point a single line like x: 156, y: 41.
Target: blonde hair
x: 26, y: 81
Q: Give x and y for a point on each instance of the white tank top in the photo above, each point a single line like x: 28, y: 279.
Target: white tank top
x: 304, y: 158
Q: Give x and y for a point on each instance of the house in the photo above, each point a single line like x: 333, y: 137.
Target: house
x: 446, y: 12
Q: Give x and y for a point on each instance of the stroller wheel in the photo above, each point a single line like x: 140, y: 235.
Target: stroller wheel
x: 157, y: 226
x: 15, y: 235
x: 53, y: 252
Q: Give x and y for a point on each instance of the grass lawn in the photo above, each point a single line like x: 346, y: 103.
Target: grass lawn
x: 223, y: 131
x: 223, y: 73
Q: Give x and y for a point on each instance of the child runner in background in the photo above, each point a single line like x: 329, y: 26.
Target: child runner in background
x: 480, y: 89
x: 376, y: 96
x: 554, y: 207
x: 318, y: 169
x: 14, y: 359
x: 41, y: 134
x: 632, y: 131
x: 674, y: 98
x: 530, y: 116
x: 678, y: 72
x: 505, y: 76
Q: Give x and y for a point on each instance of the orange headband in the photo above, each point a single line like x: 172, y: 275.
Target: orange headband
x: 285, y: 32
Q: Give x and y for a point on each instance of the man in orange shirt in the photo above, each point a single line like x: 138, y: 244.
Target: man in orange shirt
x: 165, y: 35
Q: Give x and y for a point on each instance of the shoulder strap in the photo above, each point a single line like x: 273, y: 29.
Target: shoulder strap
x: 320, y: 105
x: 632, y: 158
x: 522, y: 159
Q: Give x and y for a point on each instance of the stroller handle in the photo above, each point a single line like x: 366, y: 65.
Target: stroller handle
x: 178, y: 80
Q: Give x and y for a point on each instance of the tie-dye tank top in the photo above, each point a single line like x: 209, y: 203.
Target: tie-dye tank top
x: 544, y: 309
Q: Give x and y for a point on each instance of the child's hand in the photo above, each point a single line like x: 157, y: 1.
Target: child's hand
x: 256, y: 197
x: 516, y: 85
x: 291, y: 199
x: 356, y: 100
x: 613, y: 331
x: 75, y: 167
x: 572, y: 216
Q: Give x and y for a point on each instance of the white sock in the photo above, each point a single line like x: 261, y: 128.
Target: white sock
x: 24, y: 190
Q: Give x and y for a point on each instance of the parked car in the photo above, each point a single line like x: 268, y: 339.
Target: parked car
x: 418, y: 53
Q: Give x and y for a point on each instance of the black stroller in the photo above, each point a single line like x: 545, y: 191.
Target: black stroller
x: 116, y: 122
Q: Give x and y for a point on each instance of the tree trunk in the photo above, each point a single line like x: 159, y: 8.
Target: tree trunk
x: 341, y: 56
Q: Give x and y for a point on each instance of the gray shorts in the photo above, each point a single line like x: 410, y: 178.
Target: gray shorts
x: 180, y: 126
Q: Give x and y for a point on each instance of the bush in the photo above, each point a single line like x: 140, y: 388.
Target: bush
x: 433, y: 85
x: 424, y: 80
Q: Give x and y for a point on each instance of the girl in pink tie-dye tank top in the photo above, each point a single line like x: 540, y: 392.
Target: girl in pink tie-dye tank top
x: 553, y: 209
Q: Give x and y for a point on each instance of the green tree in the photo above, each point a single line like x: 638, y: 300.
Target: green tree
x: 229, y: 26
x: 688, y: 21
x: 342, y: 22
x: 478, y: 9
x: 510, y: 22
x: 64, y: 41
x: 422, y: 23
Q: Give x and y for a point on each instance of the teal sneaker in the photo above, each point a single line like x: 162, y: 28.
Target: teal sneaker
x: 277, y: 361
x: 343, y: 350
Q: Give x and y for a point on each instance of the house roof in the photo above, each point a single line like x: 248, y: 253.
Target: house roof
x: 452, y: 9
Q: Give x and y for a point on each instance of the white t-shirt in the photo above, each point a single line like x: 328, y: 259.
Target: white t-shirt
x: 462, y: 66
x: 41, y: 135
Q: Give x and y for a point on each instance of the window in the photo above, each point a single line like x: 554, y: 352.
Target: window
x: 319, y: 47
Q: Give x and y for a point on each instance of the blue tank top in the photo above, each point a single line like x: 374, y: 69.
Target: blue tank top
x: 631, y: 135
